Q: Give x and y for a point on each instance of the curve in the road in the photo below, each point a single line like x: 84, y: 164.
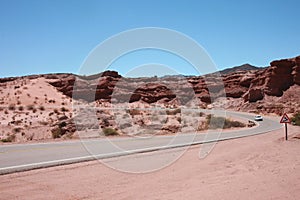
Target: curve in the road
x: 21, y: 157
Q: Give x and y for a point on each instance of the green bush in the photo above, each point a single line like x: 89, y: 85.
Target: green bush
x: 110, y: 131
x: 296, y: 119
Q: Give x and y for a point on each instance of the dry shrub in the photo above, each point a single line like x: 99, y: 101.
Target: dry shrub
x: 11, y: 107
x: 110, y: 131
x: 134, y: 112
x: 216, y: 122
x: 30, y: 107
x: 21, y: 108
x: 10, y: 138
x: 42, y: 108
x: 63, y: 109
x: 173, y: 112
x: 296, y: 119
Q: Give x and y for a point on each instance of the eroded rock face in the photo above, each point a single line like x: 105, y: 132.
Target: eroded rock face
x: 254, y: 94
x: 251, y: 85
x: 274, y: 80
x: 279, y: 77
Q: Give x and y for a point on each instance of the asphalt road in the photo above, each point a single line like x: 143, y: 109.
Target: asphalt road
x: 21, y: 157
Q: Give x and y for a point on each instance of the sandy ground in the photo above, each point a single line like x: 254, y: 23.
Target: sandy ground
x: 257, y: 167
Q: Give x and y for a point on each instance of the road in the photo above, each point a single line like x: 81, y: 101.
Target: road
x: 21, y: 157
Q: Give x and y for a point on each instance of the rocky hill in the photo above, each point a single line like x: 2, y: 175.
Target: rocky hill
x: 244, y: 67
x: 253, y: 86
x: 42, y: 106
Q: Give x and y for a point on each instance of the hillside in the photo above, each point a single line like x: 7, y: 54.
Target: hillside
x: 48, y: 106
x: 244, y: 67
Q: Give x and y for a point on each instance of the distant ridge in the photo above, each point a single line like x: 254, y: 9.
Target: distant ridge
x: 244, y: 67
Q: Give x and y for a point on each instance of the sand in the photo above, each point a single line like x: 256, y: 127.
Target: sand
x: 257, y: 167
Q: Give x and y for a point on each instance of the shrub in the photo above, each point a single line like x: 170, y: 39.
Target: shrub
x: 21, y: 108
x: 173, y: 112
x: 11, y: 107
x: 42, y: 108
x: 17, y: 130
x: 201, y: 114
x: 231, y: 123
x: 30, y: 107
x: 62, y: 124
x: 134, y: 112
x: 296, y: 119
x: 10, y: 138
x: 63, y: 109
x: 56, y: 111
x: 57, y: 132
x: 43, y: 123
x: 110, y: 131
x: 215, y: 122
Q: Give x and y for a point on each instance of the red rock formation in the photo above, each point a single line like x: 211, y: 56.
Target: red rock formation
x: 251, y: 85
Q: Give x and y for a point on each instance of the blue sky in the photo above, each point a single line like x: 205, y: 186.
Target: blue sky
x: 39, y: 36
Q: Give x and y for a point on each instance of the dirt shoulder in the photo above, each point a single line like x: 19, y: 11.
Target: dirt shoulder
x: 257, y: 167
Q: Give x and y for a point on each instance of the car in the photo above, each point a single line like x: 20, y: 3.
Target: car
x: 258, y: 118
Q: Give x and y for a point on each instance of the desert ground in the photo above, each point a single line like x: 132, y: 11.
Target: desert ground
x: 257, y: 167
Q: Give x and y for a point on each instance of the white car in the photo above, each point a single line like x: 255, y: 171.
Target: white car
x: 258, y: 118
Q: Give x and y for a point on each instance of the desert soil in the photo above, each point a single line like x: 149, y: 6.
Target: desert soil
x: 257, y: 167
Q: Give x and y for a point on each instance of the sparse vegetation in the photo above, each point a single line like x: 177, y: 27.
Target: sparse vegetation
x: 21, y: 108
x: 56, y: 132
x: 215, y: 122
x: 51, y: 101
x: 296, y: 119
x: 110, y: 131
x: 173, y: 112
x: 11, y: 107
x: 63, y: 109
x: 134, y: 112
x: 43, y: 123
x: 42, y: 108
x: 17, y: 130
x: 201, y: 114
x: 56, y: 111
x: 10, y: 138
x: 30, y: 107
x: 62, y: 124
